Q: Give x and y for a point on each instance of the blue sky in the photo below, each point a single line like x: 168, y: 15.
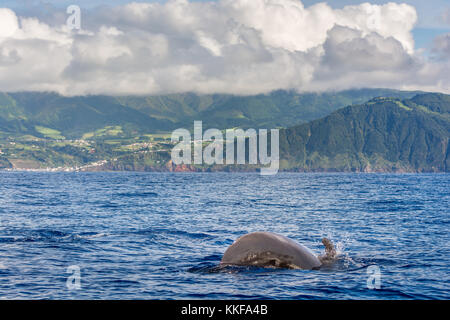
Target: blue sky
x: 430, y: 24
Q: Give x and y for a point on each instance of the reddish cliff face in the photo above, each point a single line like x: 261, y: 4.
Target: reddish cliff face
x: 180, y: 168
x: 170, y: 165
x: 185, y: 168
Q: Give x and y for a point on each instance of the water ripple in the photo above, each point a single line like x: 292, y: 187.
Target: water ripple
x: 162, y: 235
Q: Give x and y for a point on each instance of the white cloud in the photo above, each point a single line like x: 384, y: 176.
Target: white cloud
x: 230, y: 46
x: 8, y: 23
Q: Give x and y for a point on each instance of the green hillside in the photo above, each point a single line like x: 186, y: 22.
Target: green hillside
x: 275, y: 110
x: 384, y: 134
x: 76, y: 117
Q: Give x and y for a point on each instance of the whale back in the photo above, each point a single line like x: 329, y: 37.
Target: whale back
x: 266, y: 249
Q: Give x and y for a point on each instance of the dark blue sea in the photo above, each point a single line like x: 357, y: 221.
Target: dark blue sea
x: 162, y: 235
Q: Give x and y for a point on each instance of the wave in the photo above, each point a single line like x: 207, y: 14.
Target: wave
x: 49, y: 235
x: 173, y: 232
x: 207, y: 268
x: 137, y: 194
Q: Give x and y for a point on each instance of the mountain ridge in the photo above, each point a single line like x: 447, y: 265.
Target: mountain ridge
x: 76, y: 116
x: 382, y: 134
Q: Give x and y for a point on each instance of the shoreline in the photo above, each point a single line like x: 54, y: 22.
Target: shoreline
x: 57, y: 170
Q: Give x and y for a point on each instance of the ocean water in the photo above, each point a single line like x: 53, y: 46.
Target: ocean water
x: 162, y: 235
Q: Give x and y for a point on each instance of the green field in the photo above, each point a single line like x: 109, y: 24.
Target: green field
x: 49, y: 133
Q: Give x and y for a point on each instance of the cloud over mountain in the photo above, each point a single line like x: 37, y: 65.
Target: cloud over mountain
x: 229, y: 46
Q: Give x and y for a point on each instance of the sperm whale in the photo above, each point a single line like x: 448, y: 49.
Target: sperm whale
x: 267, y: 249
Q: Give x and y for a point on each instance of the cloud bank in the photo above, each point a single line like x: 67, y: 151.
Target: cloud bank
x: 229, y: 46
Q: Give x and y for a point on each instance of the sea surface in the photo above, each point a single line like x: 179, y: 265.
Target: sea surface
x: 162, y: 235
